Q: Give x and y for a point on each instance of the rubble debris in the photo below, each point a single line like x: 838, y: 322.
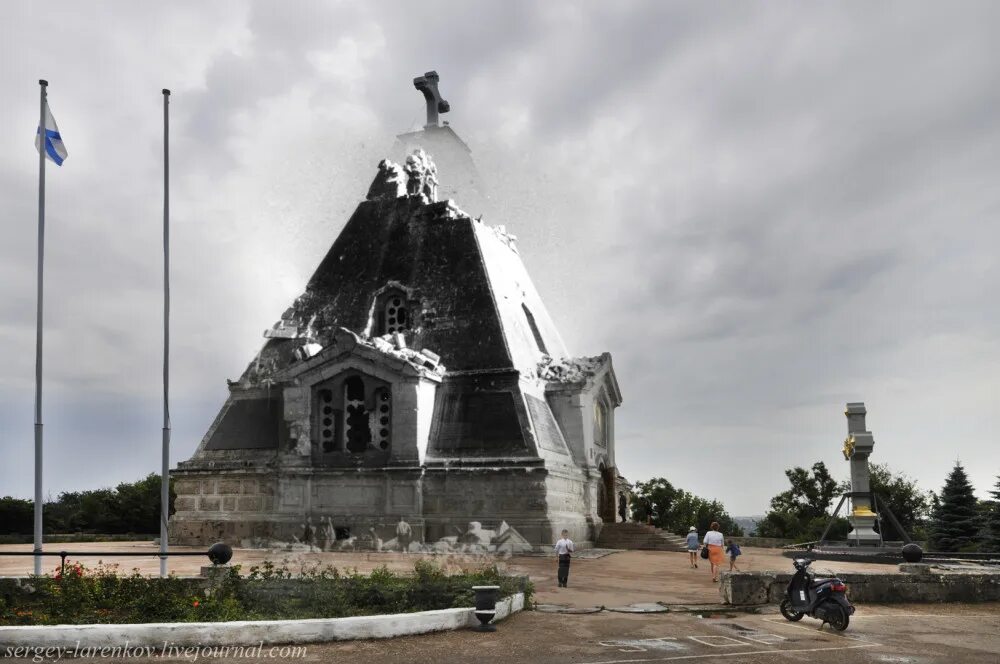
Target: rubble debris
x: 431, y: 359
x: 395, y: 345
x: 503, y: 540
x: 507, y: 238
x: 283, y: 329
x: 389, y: 182
x: 571, y: 369
x: 421, y: 174
x: 310, y: 349
x: 291, y: 326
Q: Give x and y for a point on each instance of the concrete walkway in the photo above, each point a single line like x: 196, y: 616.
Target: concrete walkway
x: 631, y: 577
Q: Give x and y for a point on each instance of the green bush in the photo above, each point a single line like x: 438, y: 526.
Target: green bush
x: 80, y: 595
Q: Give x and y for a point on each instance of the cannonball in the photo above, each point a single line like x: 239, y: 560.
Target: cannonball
x: 912, y: 553
x: 220, y: 553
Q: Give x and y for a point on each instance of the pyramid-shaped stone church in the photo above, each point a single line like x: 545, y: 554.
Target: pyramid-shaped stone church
x: 419, y: 378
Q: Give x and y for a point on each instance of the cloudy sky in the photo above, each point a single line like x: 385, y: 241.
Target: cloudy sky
x: 763, y: 210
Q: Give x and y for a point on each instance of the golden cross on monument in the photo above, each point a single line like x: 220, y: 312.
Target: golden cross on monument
x: 848, y: 447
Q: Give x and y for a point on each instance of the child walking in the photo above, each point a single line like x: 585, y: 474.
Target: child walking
x: 733, y: 549
x: 564, y: 547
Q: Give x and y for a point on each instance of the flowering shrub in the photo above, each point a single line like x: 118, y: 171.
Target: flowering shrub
x: 103, y: 594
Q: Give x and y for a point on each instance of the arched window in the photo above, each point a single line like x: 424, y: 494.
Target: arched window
x: 600, y: 422
x: 357, y: 432
x: 534, y: 329
x: 392, y: 312
x: 353, y: 413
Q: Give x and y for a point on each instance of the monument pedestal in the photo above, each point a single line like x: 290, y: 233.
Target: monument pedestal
x: 862, y: 532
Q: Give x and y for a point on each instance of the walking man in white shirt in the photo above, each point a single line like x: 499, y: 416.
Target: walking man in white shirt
x: 564, y: 547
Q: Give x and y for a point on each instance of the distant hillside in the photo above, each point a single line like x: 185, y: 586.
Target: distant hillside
x: 748, y: 523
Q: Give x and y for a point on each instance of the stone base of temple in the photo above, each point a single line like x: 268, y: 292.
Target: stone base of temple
x: 483, y: 508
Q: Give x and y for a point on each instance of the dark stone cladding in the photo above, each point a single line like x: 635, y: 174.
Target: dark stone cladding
x: 249, y: 424
x: 430, y: 249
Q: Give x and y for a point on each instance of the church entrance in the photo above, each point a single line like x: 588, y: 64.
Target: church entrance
x: 606, y: 495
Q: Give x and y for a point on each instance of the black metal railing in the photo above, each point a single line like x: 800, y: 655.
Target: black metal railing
x: 218, y: 554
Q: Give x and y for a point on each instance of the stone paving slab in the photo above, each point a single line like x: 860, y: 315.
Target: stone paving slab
x: 562, y: 608
x: 641, y: 607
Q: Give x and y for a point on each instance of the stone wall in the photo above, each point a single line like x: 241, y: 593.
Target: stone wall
x: 239, y: 506
x: 454, y: 497
x: 763, y: 542
x: 779, y: 542
x: 741, y: 588
x: 222, y: 506
x: 537, y: 502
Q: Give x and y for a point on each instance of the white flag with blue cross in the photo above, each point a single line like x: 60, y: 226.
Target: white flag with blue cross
x: 54, y: 148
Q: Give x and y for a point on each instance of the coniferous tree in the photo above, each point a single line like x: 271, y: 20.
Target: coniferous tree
x: 992, y: 530
x: 956, y: 520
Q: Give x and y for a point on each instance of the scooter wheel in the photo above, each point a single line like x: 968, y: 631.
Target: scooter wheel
x: 788, y: 613
x: 839, y: 619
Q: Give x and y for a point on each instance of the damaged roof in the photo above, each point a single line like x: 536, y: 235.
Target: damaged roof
x: 474, y: 303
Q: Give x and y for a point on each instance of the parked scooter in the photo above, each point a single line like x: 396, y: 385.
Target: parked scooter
x: 824, y: 599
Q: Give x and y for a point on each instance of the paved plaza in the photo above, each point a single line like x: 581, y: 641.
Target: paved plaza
x: 900, y: 634
x: 917, y: 634
x: 878, y: 634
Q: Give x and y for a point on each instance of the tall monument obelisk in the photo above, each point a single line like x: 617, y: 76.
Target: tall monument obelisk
x: 857, y: 447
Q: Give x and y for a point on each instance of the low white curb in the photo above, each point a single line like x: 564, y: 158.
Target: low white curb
x: 250, y: 632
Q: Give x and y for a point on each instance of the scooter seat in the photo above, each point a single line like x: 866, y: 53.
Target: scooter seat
x: 816, y: 583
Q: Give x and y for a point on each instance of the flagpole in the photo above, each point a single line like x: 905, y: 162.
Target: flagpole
x: 43, y: 84
x: 164, y: 475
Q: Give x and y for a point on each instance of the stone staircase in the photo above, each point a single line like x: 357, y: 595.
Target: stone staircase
x: 638, y: 536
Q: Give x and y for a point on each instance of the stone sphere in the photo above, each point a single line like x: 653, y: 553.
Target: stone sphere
x: 220, y: 553
x: 912, y: 553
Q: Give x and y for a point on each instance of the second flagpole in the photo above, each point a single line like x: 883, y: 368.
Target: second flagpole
x: 165, y: 470
x: 43, y: 84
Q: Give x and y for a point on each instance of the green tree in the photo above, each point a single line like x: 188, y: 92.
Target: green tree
x: 131, y: 507
x: 904, y: 498
x: 991, y: 535
x: 139, y: 505
x: 802, y: 512
x: 787, y: 525
x: 653, y: 500
x: 955, y: 522
x: 675, y: 510
x: 16, y: 516
x: 810, y: 495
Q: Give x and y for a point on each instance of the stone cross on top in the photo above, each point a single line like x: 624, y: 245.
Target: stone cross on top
x: 428, y: 84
